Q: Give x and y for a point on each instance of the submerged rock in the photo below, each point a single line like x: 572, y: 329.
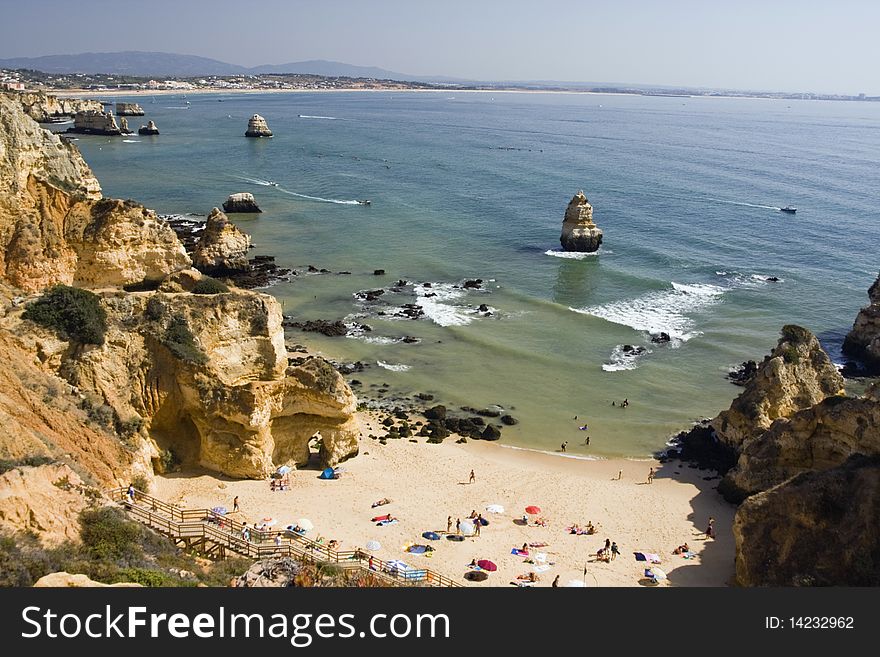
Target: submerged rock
x: 257, y: 127
x: 579, y: 232
x: 241, y: 202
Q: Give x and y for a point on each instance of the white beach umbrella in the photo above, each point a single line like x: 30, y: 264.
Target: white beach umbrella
x: 575, y: 584
x: 305, y: 523
x: 372, y: 546
x: 468, y: 529
x: 495, y: 508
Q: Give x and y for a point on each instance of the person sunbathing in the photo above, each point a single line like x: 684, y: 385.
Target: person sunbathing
x: 681, y: 549
x: 381, y: 502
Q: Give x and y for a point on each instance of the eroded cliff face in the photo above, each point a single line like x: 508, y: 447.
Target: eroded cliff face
x: 54, y: 225
x: 41, y: 106
x: 222, y: 246
x: 816, y: 529
x: 796, y: 375
x: 863, y: 341
x: 208, y: 377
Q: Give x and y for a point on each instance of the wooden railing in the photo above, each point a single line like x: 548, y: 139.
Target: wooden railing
x: 217, y: 533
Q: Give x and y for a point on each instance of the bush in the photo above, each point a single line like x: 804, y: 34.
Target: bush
x: 168, y: 461
x: 130, y: 427
x: 107, y: 535
x: 34, y: 461
x: 208, y: 285
x: 141, y: 483
x: 181, y: 342
x: 155, y: 309
x: 74, y: 313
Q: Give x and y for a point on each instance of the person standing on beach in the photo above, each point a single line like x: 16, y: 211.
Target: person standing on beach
x: 448, y: 524
x: 235, y: 504
x: 562, y: 447
x: 458, y: 525
x: 614, y: 550
x: 650, y: 476
x: 473, y: 478
x: 555, y: 583
x: 619, y: 474
x: 710, y: 530
x: 477, y: 526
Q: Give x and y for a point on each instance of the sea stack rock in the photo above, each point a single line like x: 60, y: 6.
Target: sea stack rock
x: 241, y: 202
x: 222, y: 246
x: 863, y: 342
x: 579, y: 233
x: 92, y: 122
x: 257, y: 127
x: 129, y: 109
x: 123, y: 126
x: 149, y: 129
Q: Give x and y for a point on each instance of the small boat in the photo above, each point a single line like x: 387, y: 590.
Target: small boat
x: 789, y: 209
x: 364, y: 202
x: 273, y: 183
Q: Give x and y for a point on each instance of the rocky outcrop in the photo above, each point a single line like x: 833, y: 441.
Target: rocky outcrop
x: 863, y: 341
x: 56, y: 228
x: 817, y: 529
x: 91, y: 122
x: 149, y: 129
x: 45, y: 108
x: 129, y: 109
x: 817, y: 438
x: 579, y: 232
x: 796, y: 375
x: 222, y: 246
x: 257, y: 127
x: 123, y: 126
x: 241, y: 202
x: 63, y: 580
x: 207, y: 376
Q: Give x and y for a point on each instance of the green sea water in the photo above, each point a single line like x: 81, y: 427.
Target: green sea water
x: 474, y: 185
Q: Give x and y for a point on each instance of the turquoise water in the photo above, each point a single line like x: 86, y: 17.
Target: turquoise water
x: 462, y: 185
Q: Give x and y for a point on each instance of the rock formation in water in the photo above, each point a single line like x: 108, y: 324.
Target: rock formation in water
x: 579, y: 232
x: 257, y: 127
x: 818, y: 528
x: 91, y: 122
x: 123, y: 126
x: 44, y: 108
x: 129, y: 109
x: 863, y: 341
x: 56, y: 228
x: 149, y: 129
x: 241, y: 202
x: 222, y: 246
x: 796, y: 375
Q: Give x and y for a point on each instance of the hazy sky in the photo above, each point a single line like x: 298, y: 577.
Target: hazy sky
x: 807, y: 45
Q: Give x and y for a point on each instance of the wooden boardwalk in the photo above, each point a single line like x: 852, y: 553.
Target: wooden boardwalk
x: 217, y: 536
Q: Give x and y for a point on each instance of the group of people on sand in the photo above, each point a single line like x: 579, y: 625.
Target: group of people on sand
x: 589, y: 529
x: 609, y: 552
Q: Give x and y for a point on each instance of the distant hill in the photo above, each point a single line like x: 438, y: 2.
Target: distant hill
x: 149, y: 64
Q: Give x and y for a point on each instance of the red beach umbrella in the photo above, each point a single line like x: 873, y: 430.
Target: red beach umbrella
x: 485, y: 564
x: 533, y: 510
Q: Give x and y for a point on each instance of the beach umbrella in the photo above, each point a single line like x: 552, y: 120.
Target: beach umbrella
x: 495, y: 508
x: 269, y: 521
x: 418, y: 549
x: 431, y: 536
x: 372, y: 546
x: 305, y: 524
x: 485, y: 564
x: 283, y: 470
x: 533, y: 510
x: 575, y: 584
x: 219, y: 510
x: 476, y: 576
x: 468, y: 529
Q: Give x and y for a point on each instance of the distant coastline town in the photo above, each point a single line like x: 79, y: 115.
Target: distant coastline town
x: 33, y: 80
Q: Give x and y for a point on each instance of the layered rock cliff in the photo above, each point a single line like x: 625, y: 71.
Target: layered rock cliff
x: 56, y: 228
x: 222, y: 246
x: 579, y: 232
x: 796, y: 375
x: 863, y: 341
x: 43, y: 107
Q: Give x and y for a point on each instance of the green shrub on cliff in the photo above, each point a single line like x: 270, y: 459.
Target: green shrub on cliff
x: 181, y: 341
x: 74, y: 313
x: 208, y: 285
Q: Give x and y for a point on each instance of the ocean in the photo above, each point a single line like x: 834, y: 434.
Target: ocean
x: 474, y: 186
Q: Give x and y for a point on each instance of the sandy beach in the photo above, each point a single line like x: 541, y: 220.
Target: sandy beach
x: 427, y: 483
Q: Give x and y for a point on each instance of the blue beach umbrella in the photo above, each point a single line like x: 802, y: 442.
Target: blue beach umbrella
x: 431, y: 536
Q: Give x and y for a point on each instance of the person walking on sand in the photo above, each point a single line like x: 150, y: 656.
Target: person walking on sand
x: 477, y: 526
x: 458, y: 525
x: 710, y: 530
x: 235, y: 504
x: 472, y: 478
x: 650, y: 476
x: 555, y: 583
x: 448, y: 524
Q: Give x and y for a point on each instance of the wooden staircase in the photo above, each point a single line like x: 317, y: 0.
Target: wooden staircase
x: 217, y: 536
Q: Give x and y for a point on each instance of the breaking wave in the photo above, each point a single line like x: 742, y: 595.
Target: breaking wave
x: 622, y: 359
x: 394, y: 368
x: 575, y: 255
x: 438, y: 308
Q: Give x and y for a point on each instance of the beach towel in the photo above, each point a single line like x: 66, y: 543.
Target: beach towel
x: 541, y: 556
x: 387, y: 516
x: 382, y: 523
x: 519, y: 553
x: 536, y: 545
x: 541, y: 569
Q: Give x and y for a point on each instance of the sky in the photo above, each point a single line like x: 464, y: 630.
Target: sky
x: 785, y: 45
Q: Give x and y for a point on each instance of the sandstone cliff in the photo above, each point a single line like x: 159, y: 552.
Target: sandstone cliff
x: 222, y: 246
x: 54, y: 226
x: 796, y: 375
x: 863, y: 341
x: 579, y: 232
x: 43, y: 107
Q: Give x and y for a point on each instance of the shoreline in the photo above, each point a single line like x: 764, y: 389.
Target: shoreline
x: 427, y: 483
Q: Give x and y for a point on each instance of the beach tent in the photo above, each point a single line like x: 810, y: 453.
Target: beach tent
x: 431, y: 536
x: 373, y: 545
x: 328, y: 473
x: 495, y: 508
x: 485, y: 564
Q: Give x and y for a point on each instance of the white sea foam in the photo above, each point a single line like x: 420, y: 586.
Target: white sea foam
x: 132, y: 141
x: 438, y: 308
x: 661, y: 311
x: 307, y: 116
x: 564, y: 455
x: 318, y: 198
x: 394, y: 368
x: 575, y: 255
x: 621, y: 360
x: 748, y: 205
